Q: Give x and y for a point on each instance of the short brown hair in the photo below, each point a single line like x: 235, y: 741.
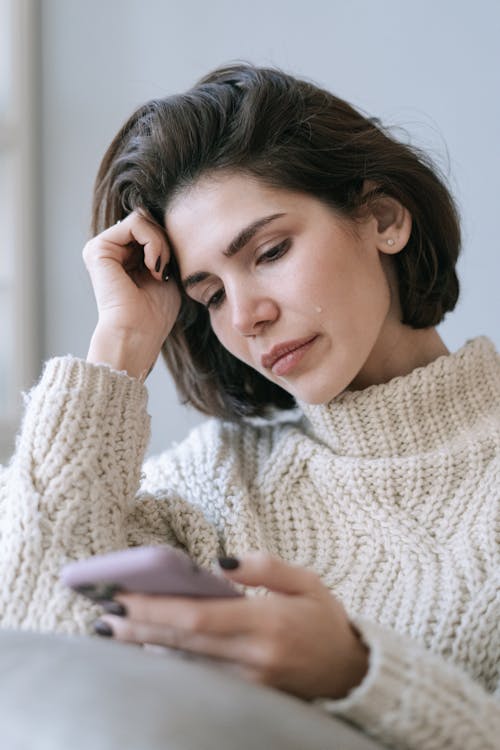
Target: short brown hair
x: 290, y: 134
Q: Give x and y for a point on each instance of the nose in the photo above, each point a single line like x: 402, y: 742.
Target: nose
x: 251, y: 311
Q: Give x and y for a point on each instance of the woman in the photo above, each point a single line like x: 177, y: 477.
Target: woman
x: 281, y: 250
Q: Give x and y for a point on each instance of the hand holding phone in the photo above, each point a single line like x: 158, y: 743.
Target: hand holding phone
x: 146, y: 570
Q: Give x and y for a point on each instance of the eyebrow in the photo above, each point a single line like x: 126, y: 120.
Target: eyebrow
x: 236, y: 244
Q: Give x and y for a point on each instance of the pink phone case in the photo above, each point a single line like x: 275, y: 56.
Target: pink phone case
x: 146, y: 570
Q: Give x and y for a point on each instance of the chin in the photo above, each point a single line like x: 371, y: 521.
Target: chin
x: 316, y: 394
x: 317, y: 400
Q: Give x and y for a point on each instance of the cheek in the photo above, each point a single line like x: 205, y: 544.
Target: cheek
x: 229, y: 338
x: 362, y: 289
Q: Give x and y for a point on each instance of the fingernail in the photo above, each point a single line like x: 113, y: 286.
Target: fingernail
x: 98, y: 591
x: 102, y: 628
x: 165, y: 275
x: 158, y: 264
x: 228, y: 563
x: 114, y: 608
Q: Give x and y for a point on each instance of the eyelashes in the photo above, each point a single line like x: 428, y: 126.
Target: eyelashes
x: 215, y: 300
x: 269, y: 256
x: 275, y: 252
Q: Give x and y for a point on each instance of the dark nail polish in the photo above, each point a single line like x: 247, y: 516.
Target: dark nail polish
x: 98, y: 591
x: 165, y: 275
x: 102, y: 628
x: 114, y: 608
x: 158, y: 264
x: 228, y: 563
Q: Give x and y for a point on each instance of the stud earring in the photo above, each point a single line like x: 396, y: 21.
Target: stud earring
x: 391, y: 242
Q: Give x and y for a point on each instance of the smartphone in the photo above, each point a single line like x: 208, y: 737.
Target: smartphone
x: 146, y: 570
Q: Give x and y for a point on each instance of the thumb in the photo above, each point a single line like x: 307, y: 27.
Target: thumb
x: 263, y: 569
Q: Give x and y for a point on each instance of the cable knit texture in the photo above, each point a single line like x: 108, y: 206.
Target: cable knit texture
x: 391, y: 494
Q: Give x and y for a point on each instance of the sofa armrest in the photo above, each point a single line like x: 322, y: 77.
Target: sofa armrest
x: 61, y: 692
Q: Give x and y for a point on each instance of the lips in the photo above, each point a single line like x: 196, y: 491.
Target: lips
x: 269, y: 359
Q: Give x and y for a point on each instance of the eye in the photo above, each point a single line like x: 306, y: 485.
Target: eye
x: 215, y: 300
x: 275, y: 252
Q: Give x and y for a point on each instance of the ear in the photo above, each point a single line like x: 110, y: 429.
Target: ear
x: 392, y: 221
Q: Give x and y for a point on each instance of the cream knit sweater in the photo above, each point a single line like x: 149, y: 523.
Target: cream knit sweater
x: 391, y: 494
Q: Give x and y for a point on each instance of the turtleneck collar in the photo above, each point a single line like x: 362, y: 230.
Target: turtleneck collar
x: 415, y: 413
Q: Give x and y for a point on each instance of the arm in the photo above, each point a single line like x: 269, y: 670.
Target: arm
x: 71, y: 488
x: 413, y: 699
x: 66, y: 491
x: 299, y: 639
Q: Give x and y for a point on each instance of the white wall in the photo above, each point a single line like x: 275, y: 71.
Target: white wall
x: 432, y: 67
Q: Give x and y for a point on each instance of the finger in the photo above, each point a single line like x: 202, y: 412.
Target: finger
x: 232, y: 648
x: 263, y: 569
x: 137, y: 229
x: 210, y: 616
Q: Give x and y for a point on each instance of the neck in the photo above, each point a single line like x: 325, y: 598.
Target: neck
x: 399, y: 350
x: 419, y: 413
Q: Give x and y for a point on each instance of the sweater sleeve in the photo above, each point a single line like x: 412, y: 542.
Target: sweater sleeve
x: 71, y: 490
x: 412, y: 699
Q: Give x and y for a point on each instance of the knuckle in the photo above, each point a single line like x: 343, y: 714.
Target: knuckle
x: 90, y: 249
x: 174, y: 638
x: 279, y: 630
x: 194, y: 621
x: 268, y: 659
x: 87, y: 250
x: 263, y: 560
x: 265, y: 677
x: 247, y: 673
x: 139, y: 216
x: 123, y: 629
x: 265, y: 557
x: 314, y: 578
x: 143, y: 609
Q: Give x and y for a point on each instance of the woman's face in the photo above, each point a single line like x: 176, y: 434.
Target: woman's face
x: 292, y: 290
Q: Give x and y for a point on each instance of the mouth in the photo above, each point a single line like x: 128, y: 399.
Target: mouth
x: 282, y: 358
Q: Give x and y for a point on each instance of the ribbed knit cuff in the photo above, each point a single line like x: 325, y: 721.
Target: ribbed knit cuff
x: 77, y: 404
x: 68, y: 373
x: 414, y: 699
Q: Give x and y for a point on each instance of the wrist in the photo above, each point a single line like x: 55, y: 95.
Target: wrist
x: 359, y: 661
x: 123, y: 351
x: 352, y: 669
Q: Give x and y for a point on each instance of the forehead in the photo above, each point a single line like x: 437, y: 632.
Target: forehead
x: 211, y: 212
